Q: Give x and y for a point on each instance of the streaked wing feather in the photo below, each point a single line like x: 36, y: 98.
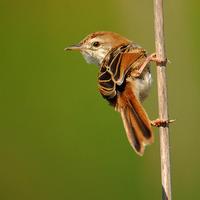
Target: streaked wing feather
x: 113, y: 72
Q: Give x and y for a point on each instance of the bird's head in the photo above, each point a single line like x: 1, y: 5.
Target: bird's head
x: 97, y: 45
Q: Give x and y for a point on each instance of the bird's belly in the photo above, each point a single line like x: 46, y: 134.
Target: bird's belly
x: 143, y: 85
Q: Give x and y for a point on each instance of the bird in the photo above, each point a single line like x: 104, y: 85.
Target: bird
x: 124, y: 80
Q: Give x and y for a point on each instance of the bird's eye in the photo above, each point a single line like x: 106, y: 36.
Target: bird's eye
x: 96, y: 44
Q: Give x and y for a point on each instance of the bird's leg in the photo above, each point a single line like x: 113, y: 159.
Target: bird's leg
x: 151, y: 57
x: 163, y: 123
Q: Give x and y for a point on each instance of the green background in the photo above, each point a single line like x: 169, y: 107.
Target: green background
x: 58, y: 138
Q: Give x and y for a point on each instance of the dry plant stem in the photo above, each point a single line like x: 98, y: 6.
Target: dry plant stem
x: 162, y: 100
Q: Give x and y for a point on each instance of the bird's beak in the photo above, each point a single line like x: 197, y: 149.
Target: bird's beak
x: 76, y: 47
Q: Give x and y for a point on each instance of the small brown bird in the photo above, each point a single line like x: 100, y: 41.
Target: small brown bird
x: 124, y: 80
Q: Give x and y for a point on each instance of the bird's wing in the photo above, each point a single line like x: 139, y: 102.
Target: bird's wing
x: 113, y: 73
x: 126, y: 60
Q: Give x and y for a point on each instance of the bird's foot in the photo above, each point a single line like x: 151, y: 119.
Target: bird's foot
x: 152, y: 57
x: 161, y: 123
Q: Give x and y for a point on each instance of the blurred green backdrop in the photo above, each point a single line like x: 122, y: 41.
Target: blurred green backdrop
x: 59, y: 138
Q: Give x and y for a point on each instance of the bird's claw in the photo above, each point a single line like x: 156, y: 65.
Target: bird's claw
x: 153, y: 57
x: 161, y: 123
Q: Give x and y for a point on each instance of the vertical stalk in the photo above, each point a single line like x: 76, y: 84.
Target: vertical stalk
x: 162, y: 99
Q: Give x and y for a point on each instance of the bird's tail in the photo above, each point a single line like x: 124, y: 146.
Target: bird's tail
x: 135, y: 120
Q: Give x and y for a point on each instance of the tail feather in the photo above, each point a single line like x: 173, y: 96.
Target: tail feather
x: 132, y: 137
x: 135, y: 120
